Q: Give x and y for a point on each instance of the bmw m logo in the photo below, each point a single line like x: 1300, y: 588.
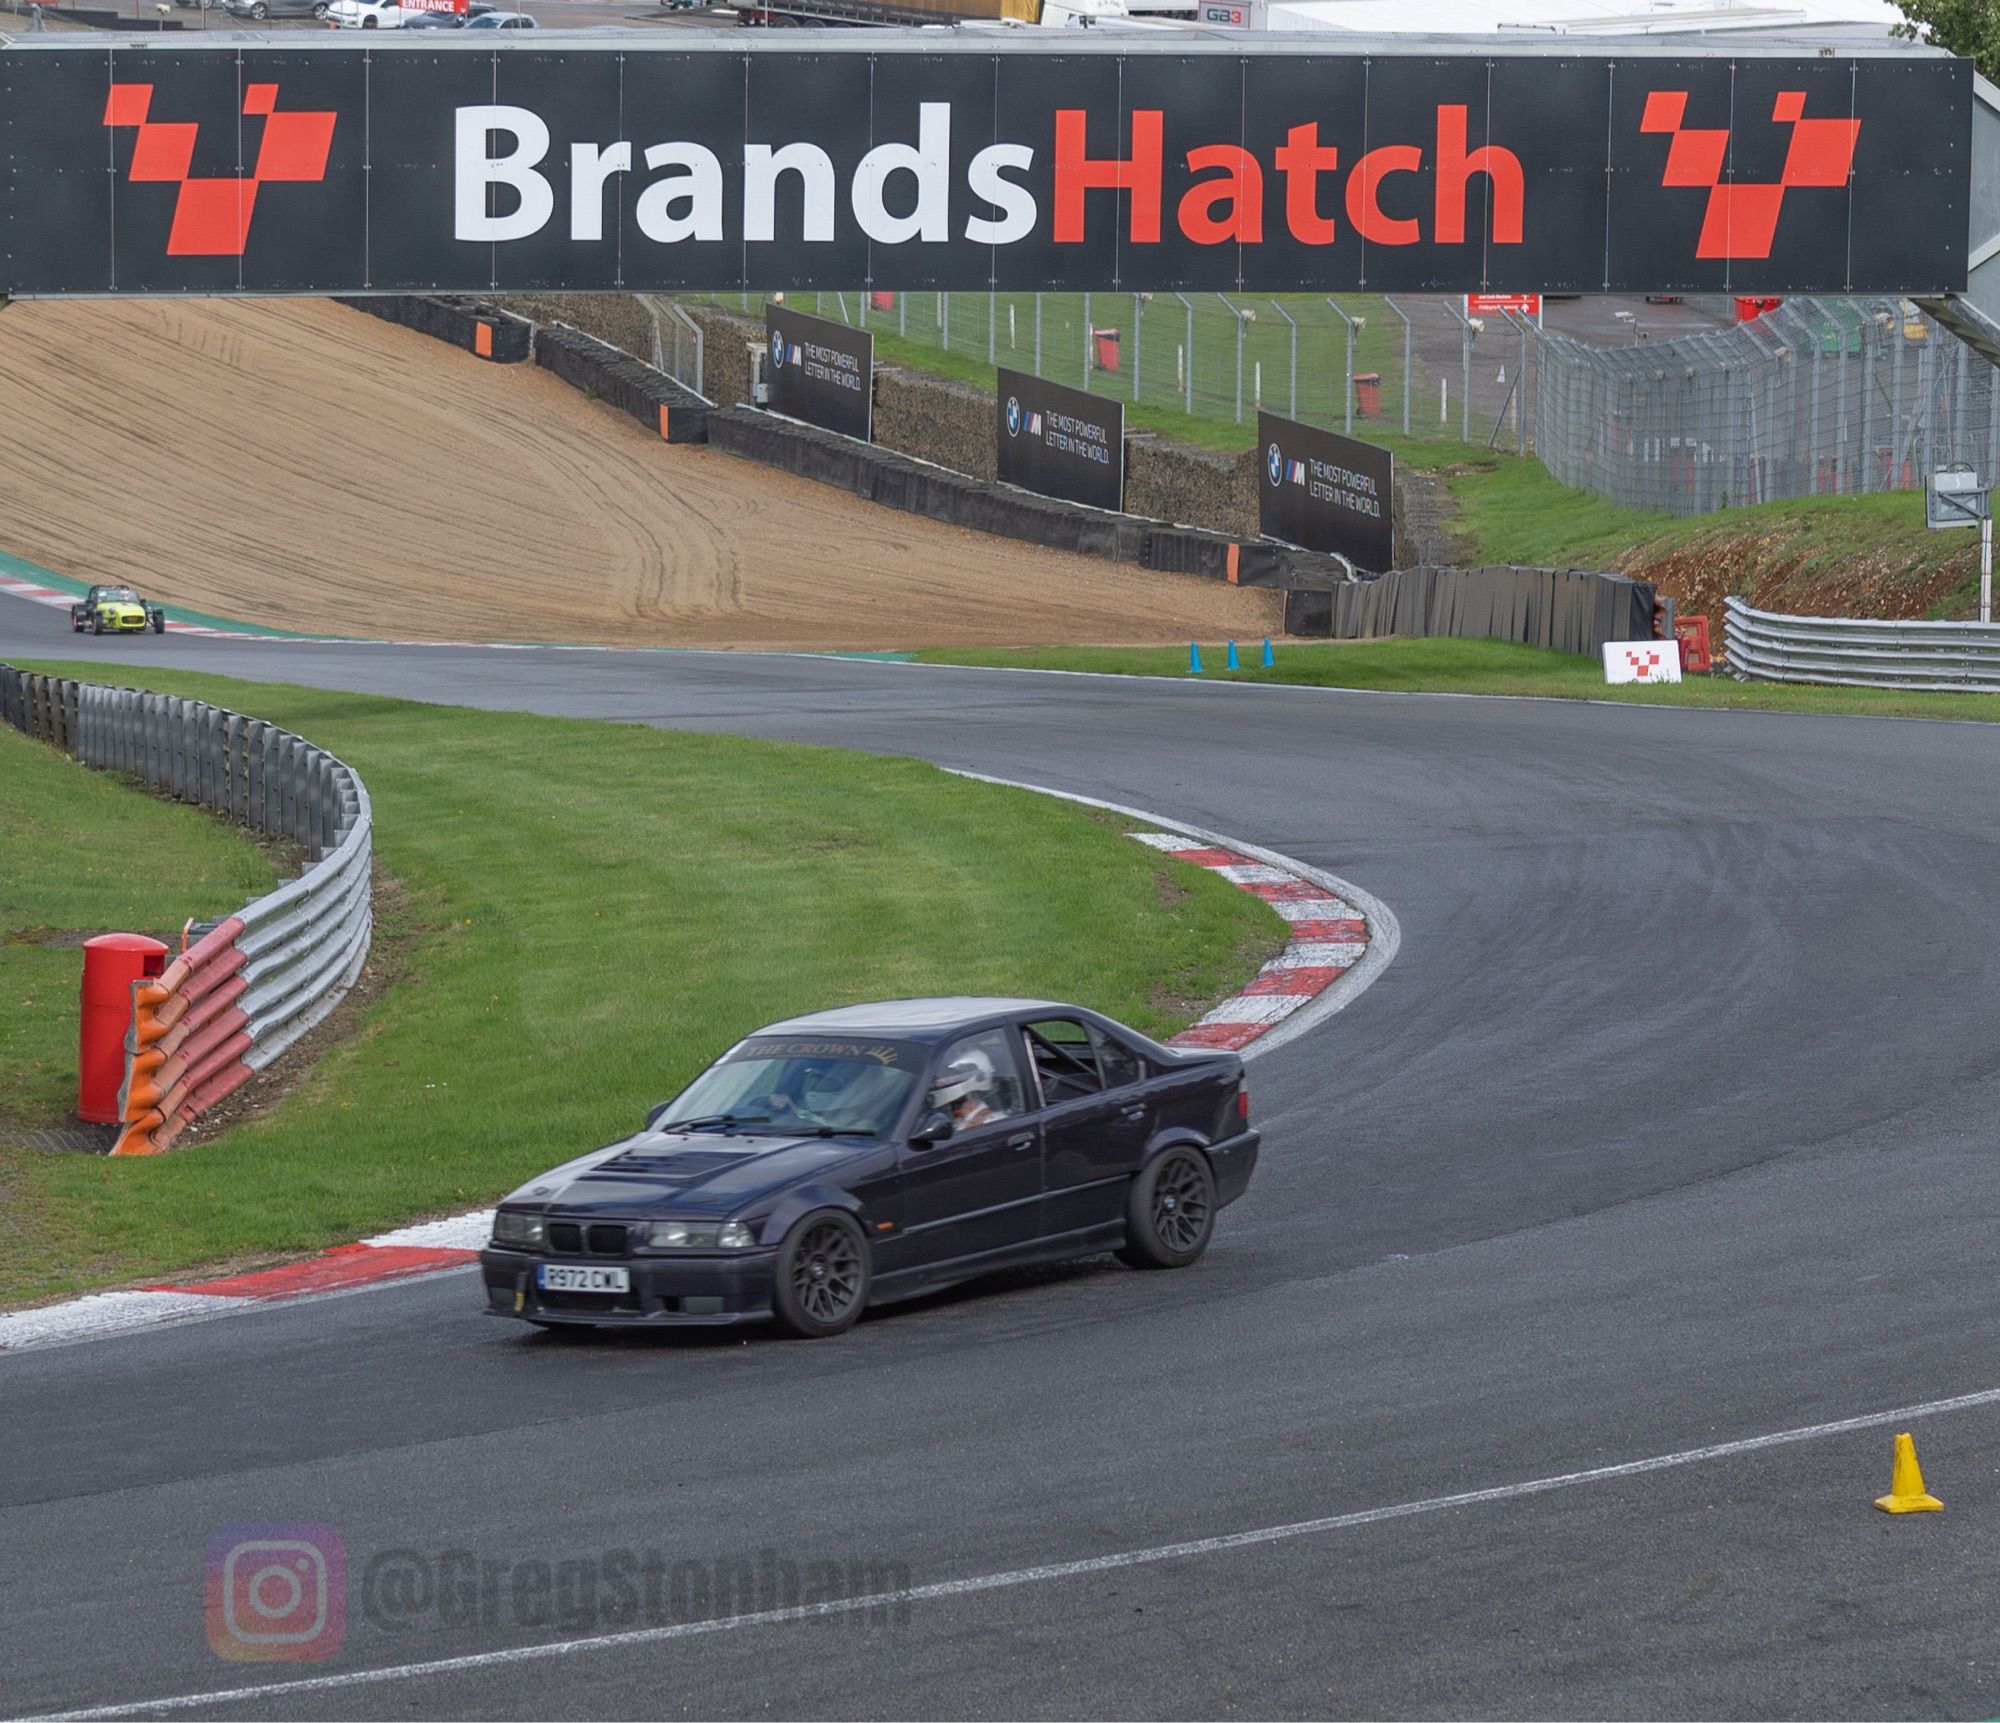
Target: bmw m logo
x: 1013, y: 416
x: 777, y: 347
x: 1274, y: 465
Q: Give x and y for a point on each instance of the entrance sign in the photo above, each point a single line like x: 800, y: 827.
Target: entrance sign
x: 872, y: 160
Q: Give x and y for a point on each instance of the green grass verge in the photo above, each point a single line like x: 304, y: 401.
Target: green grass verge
x: 1511, y: 510
x: 591, y: 912
x: 1471, y: 667
x: 82, y: 854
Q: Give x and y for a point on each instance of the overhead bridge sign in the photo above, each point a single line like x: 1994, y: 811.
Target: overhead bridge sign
x: 342, y: 165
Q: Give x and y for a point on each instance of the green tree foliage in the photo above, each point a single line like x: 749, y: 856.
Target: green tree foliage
x: 1968, y: 27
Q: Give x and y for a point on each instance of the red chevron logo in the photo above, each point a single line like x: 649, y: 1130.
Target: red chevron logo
x: 1742, y: 220
x: 212, y: 216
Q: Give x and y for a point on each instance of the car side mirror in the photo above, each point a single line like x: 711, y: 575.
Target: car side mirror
x: 933, y: 1127
x: 657, y: 1114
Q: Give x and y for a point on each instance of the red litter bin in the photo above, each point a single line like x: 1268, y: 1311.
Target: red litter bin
x: 1107, y: 349
x: 1368, y: 394
x: 882, y: 301
x: 111, y: 963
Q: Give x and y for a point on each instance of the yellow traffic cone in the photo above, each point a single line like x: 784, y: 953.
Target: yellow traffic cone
x: 1906, y: 1489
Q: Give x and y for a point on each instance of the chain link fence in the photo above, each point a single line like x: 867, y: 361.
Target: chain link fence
x: 1348, y: 362
x: 1818, y: 397
x: 1832, y: 397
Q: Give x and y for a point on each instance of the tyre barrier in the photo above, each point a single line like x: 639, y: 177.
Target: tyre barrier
x: 631, y: 385
x: 266, y: 974
x: 623, y: 380
x: 1563, y: 609
x: 482, y: 329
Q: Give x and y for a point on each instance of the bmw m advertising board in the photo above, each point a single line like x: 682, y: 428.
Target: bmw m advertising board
x: 334, y: 164
x: 1323, y: 491
x: 820, y: 371
x: 1061, y: 442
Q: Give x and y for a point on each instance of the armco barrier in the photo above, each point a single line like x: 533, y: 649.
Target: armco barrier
x: 1761, y: 645
x: 618, y: 379
x: 1565, y: 609
x: 482, y: 329
x: 262, y: 977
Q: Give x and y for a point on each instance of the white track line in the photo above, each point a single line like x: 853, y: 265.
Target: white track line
x: 949, y: 1589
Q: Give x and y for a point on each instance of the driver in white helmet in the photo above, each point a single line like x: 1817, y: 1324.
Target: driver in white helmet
x: 965, y: 1089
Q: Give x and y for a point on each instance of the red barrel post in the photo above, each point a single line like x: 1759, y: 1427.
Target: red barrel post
x: 111, y: 963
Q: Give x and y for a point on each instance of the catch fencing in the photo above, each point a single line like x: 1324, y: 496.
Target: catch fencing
x: 1818, y: 397
x: 1766, y: 647
x: 1331, y: 361
x: 267, y: 973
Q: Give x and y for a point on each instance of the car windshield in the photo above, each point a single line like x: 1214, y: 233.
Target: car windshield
x: 117, y: 595
x: 781, y: 1085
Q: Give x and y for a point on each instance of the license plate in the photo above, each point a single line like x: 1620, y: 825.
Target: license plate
x: 560, y: 1277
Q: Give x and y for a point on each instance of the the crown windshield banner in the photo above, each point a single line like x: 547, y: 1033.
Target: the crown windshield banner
x: 896, y: 162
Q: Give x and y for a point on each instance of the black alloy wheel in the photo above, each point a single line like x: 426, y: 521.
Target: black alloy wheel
x: 1170, y: 1213
x: 823, y: 1276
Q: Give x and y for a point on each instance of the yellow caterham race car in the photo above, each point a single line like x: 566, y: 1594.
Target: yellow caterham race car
x: 115, y: 610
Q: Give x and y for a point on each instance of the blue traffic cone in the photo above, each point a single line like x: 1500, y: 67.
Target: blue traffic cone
x: 1269, y: 661
x: 1232, y: 662
x: 1194, y: 659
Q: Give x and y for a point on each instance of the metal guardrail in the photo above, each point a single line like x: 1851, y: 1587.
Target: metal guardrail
x: 1763, y: 646
x: 260, y: 979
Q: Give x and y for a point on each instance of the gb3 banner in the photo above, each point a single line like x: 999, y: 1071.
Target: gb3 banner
x: 351, y: 164
x: 1061, y: 442
x: 1323, y: 491
x: 821, y: 372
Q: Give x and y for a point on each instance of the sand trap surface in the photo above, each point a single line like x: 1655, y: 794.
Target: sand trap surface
x: 300, y: 464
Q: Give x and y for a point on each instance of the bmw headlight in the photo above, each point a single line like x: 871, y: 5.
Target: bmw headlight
x: 517, y: 1228
x: 699, y: 1235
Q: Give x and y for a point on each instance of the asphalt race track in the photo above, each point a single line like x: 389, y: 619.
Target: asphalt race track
x: 1672, y: 1124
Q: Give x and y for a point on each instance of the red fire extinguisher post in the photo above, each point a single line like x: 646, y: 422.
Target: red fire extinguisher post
x: 111, y: 963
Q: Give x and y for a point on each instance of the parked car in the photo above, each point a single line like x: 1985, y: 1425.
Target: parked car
x: 259, y: 10
x: 857, y: 1156
x: 365, y: 14
x: 115, y: 610
x: 504, y: 21
x: 414, y: 20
